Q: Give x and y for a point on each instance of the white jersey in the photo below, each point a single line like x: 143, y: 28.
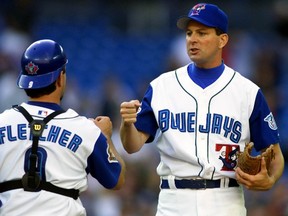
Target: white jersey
x: 200, y: 129
x: 65, y: 145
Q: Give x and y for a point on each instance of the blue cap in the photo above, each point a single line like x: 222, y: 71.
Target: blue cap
x: 41, y: 64
x: 206, y: 14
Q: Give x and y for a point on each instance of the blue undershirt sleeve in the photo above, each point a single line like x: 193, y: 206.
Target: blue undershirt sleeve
x: 263, y: 127
x: 146, y: 121
x: 102, y: 166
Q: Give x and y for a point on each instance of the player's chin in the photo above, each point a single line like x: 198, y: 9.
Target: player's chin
x: 194, y: 56
x: 198, y: 61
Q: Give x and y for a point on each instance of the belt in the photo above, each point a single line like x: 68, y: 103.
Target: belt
x: 199, y: 183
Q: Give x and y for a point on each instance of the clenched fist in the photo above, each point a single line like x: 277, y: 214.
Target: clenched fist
x: 105, y: 125
x: 128, y: 111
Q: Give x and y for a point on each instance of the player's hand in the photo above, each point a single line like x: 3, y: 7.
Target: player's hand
x: 105, y: 125
x: 261, y: 181
x: 128, y: 111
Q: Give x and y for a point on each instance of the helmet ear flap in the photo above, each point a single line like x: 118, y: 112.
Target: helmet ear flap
x: 41, y: 64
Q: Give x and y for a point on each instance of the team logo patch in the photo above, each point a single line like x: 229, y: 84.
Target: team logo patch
x: 271, y: 121
x: 228, y: 156
x: 31, y: 68
x: 197, y: 9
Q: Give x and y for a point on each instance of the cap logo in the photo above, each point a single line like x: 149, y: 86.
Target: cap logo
x: 197, y: 9
x: 31, y: 68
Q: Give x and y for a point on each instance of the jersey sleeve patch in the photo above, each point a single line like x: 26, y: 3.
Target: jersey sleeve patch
x: 271, y: 121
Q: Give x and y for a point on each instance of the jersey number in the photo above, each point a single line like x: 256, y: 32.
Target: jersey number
x: 41, y: 162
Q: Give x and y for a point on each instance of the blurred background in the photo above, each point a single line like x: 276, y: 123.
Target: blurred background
x: 115, y: 48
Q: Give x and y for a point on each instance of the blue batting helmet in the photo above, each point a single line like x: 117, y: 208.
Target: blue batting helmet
x: 41, y: 64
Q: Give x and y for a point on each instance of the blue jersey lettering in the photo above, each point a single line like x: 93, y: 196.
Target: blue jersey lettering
x: 215, y: 124
x: 55, y: 134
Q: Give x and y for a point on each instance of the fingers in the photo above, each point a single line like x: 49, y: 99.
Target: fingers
x: 263, y: 165
x: 103, y: 122
x: 102, y: 118
x: 128, y: 111
x: 239, y: 174
x: 253, y: 182
x: 105, y: 125
x: 243, y: 178
x: 133, y: 104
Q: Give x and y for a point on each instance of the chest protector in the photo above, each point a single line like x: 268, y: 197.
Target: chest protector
x: 31, y: 180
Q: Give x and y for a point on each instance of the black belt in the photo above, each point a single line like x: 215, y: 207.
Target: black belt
x: 197, y: 183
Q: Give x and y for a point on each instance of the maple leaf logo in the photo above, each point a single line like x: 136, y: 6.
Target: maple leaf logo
x: 31, y: 68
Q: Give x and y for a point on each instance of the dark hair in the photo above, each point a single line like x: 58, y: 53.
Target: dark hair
x: 36, y: 93
x: 219, y: 31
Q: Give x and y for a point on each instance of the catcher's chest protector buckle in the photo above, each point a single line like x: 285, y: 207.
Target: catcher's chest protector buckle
x: 31, y: 182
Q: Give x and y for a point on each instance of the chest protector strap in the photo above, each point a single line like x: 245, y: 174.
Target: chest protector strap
x: 31, y: 180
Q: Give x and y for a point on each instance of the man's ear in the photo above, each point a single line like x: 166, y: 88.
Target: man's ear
x: 60, y: 79
x: 223, y: 40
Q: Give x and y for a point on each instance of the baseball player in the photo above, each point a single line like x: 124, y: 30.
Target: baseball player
x: 46, y: 152
x: 200, y: 116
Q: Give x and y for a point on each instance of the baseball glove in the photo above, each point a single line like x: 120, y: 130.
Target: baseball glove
x: 252, y: 164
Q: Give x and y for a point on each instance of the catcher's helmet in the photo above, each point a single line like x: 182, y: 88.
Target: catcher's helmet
x: 41, y: 64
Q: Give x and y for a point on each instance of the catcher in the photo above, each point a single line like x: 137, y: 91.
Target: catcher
x: 45, y: 175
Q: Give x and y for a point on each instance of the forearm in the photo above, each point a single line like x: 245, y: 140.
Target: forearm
x: 277, y: 165
x: 132, y: 139
x: 121, y: 179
